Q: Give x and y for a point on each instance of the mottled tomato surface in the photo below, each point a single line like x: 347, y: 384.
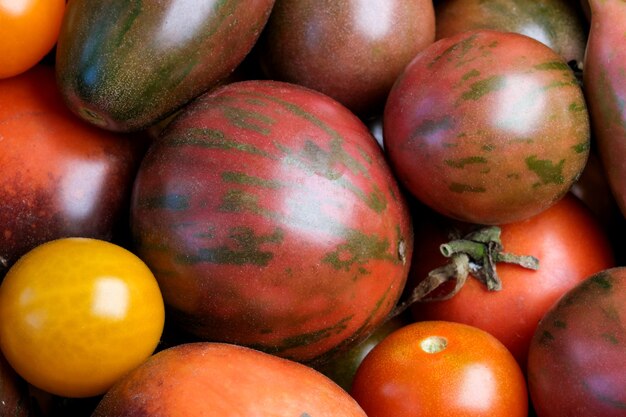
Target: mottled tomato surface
x: 570, y: 245
x: 222, y: 380
x: 605, y: 87
x: 58, y: 175
x: 271, y: 219
x: 559, y: 24
x: 577, y: 359
x: 438, y: 368
x: 351, y: 50
x: 487, y: 127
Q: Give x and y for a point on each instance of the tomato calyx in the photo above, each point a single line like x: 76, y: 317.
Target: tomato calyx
x: 476, y: 253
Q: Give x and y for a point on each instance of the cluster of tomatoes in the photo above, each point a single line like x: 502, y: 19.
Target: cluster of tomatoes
x: 513, y: 303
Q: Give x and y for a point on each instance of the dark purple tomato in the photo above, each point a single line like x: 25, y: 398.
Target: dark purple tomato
x: 59, y: 176
x: 557, y: 23
x: 351, y: 50
x: 577, y: 357
x: 487, y: 127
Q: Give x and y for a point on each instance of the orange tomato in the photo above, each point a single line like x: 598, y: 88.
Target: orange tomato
x: 28, y: 31
x: 437, y: 368
x: 77, y: 314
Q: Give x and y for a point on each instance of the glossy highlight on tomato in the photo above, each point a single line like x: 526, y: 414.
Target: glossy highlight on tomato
x: 76, y: 314
x: 438, y: 368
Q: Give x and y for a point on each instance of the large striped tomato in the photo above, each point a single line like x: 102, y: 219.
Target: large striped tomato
x: 487, y: 127
x: 271, y: 219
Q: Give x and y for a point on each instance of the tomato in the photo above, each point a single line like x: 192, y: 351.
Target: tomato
x: 350, y: 50
x: 487, y: 127
x: 59, y: 176
x: 28, y: 31
x: 438, y: 368
x: 76, y: 314
x: 558, y: 24
x: 224, y: 380
x: 570, y: 245
x: 577, y: 358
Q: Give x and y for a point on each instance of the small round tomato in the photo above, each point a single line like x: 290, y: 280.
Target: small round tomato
x: 438, y: 368
x: 28, y: 31
x: 577, y: 357
x: 76, y: 314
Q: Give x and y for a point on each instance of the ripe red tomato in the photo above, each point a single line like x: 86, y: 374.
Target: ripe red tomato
x: 577, y: 358
x: 59, y: 176
x: 438, y: 368
x: 28, y: 31
x: 570, y: 245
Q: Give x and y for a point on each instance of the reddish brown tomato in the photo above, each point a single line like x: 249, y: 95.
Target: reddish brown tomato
x: 557, y: 23
x: 567, y: 240
x: 487, y: 127
x: 351, y: 50
x: 577, y: 358
x: 439, y: 369
x: 58, y: 176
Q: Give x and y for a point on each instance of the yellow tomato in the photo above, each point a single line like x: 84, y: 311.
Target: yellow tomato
x: 76, y: 314
x: 28, y: 31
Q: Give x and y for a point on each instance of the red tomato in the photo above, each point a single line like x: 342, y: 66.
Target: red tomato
x: 59, y: 176
x: 28, y: 31
x: 577, y: 358
x: 440, y: 368
x: 570, y: 245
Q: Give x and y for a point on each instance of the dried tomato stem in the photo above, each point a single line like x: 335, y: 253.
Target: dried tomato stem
x: 477, y: 254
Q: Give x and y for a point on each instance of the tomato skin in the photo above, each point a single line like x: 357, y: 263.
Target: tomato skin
x: 306, y: 41
x: 28, y: 31
x: 487, y: 127
x: 577, y: 358
x: 557, y: 23
x: 76, y: 314
x: 59, y: 176
x: 474, y: 374
x: 224, y: 380
x: 570, y: 245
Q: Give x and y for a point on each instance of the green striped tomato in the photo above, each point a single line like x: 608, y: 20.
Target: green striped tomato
x: 125, y: 65
x: 487, y: 127
x: 271, y: 219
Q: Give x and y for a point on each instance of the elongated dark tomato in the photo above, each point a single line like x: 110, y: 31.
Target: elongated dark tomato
x: 271, y: 219
x: 487, y: 127
x: 124, y: 65
x: 605, y: 87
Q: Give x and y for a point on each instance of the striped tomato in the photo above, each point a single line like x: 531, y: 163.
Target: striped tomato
x: 271, y: 219
x: 487, y: 127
